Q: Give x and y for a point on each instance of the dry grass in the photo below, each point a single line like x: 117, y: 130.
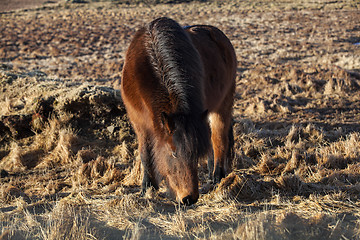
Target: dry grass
x: 62, y: 221
x: 68, y: 160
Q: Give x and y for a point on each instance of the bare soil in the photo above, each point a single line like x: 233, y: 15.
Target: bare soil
x: 11, y: 5
x: 68, y: 160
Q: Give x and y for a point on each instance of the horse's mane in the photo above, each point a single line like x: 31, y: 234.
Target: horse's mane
x: 176, y: 63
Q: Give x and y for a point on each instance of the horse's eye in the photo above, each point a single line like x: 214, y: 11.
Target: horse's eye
x: 173, y: 154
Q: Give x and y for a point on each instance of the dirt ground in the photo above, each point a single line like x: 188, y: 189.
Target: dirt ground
x: 69, y: 167
x: 11, y: 5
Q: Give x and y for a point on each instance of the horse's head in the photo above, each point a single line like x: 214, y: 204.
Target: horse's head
x: 186, y: 140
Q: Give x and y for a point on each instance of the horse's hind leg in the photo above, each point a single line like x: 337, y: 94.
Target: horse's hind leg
x: 230, y: 152
x: 210, y: 163
x: 222, y: 140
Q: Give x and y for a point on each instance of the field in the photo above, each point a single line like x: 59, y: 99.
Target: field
x: 69, y: 166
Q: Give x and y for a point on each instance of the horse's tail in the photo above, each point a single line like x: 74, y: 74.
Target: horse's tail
x: 176, y: 62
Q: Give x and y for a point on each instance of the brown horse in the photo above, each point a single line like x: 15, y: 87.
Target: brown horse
x: 178, y: 87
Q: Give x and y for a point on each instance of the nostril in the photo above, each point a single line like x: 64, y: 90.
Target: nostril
x: 188, y: 200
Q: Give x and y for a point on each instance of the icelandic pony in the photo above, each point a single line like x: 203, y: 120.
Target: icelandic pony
x: 178, y: 87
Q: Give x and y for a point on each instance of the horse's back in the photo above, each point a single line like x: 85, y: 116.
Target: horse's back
x: 219, y: 64
x: 219, y: 61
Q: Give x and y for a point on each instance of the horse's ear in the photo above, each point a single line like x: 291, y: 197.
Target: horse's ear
x: 204, y: 115
x: 168, y: 123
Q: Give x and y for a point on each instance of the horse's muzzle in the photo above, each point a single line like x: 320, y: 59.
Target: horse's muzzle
x: 188, y: 200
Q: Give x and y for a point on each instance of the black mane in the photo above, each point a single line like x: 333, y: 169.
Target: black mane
x: 176, y: 63
x: 192, y: 136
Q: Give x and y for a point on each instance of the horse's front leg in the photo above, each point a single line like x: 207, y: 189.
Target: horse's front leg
x: 146, y: 156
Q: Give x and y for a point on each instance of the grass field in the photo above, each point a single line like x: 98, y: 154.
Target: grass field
x: 69, y: 166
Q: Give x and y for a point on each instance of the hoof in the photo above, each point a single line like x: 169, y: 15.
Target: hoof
x: 209, y: 186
